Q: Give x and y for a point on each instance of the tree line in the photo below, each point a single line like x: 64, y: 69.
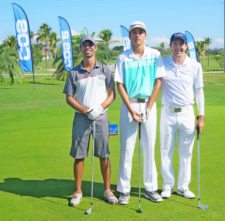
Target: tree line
x: 46, y: 46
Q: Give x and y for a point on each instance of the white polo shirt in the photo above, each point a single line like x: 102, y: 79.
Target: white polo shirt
x: 138, y: 74
x: 180, y: 81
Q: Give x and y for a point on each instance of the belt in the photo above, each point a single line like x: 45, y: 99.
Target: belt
x: 176, y: 109
x: 139, y: 100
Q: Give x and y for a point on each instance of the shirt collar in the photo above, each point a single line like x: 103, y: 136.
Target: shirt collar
x: 132, y: 55
x: 97, y: 65
x: 186, y: 60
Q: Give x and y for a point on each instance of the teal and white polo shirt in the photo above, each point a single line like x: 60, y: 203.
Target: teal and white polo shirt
x: 138, y: 74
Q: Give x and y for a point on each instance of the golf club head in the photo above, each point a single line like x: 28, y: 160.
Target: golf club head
x: 88, y: 211
x: 139, y: 210
x: 203, y: 207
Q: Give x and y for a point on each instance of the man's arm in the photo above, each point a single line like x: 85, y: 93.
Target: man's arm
x: 200, y: 100
x: 110, y: 97
x: 123, y: 94
x: 156, y: 90
x: 76, y: 105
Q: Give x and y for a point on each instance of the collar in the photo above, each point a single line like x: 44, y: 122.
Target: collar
x: 186, y: 61
x: 97, y: 65
x: 132, y: 55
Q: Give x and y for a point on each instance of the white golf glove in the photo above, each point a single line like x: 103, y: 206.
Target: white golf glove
x: 95, y: 112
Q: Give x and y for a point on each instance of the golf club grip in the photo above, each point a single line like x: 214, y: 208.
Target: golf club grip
x: 139, y: 131
x: 198, y: 129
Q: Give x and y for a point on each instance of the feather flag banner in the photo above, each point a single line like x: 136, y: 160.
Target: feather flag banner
x: 191, y: 46
x: 125, y: 37
x: 67, y: 49
x: 23, y: 38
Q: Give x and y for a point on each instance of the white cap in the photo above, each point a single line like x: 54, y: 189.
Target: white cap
x: 137, y: 24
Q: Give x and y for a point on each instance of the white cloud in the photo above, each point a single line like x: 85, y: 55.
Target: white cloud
x: 155, y: 41
x: 217, y: 43
x: 73, y: 32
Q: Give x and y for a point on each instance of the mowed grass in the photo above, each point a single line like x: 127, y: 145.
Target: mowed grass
x: 36, y: 177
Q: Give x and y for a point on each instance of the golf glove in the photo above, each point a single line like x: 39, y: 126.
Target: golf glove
x: 147, y: 113
x: 95, y: 112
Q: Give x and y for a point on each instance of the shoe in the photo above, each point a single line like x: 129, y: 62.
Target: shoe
x: 186, y: 193
x: 124, y: 198
x: 110, y: 197
x: 166, y: 193
x: 76, y: 198
x: 154, y: 196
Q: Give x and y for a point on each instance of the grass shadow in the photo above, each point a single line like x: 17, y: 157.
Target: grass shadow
x: 59, y: 188
x: 42, y: 83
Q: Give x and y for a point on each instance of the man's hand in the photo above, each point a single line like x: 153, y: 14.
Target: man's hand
x: 138, y: 117
x: 95, y: 112
x: 200, y: 123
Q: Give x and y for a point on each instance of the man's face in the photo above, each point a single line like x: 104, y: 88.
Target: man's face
x: 178, y: 48
x: 137, y: 37
x: 88, y: 49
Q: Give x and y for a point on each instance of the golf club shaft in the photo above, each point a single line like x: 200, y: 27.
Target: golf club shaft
x: 139, y: 164
x: 199, y: 193
x: 93, y: 152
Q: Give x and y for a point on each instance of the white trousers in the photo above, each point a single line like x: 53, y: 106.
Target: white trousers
x: 128, y: 135
x: 181, y: 124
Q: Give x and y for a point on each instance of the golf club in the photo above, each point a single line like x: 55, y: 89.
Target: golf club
x: 139, y: 210
x: 89, y: 211
x: 201, y: 206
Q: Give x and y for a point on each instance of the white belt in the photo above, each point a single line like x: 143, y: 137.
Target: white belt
x: 139, y: 100
x: 177, y: 109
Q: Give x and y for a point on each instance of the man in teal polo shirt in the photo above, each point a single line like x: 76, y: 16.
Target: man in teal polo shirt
x: 138, y: 75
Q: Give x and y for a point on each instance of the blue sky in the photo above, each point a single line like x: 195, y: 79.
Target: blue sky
x: 203, y: 18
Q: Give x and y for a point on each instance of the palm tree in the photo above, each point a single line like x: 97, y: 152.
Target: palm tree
x: 162, y: 48
x: 200, y: 46
x: 60, y: 72
x: 106, y: 35
x: 8, y: 62
x: 43, y: 36
x: 85, y: 32
x: 53, y: 40
x: 208, y: 42
x: 10, y: 42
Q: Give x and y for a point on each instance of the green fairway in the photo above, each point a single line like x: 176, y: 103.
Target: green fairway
x: 36, y: 177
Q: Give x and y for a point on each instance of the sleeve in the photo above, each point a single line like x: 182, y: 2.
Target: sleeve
x: 119, y: 70
x: 160, y: 71
x: 109, y: 76
x: 200, y: 100
x: 198, y: 83
x: 70, y: 88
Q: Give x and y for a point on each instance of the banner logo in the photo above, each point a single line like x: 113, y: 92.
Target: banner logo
x: 23, y: 38
x: 67, y: 49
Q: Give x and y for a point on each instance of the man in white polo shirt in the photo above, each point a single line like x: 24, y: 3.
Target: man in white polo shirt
x: 90, y: 90
x: 138, y: 75
x: 183, y: 82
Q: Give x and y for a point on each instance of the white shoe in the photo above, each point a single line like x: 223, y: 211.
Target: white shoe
x: 154, y: 196
x: 76, y: 198
x: 124, y: 198
x: 186, y: 193
x: 166, y: 193
x: 110, y: 197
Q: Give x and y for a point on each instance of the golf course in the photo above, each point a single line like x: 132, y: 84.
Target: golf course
x: 36, y: 177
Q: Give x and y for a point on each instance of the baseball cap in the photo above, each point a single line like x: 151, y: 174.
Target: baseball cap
x: 137, y: 24
x: 178, y: 35
x: 87, y: 38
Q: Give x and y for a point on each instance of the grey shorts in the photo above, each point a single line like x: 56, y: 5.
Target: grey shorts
x: 82, y: 130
